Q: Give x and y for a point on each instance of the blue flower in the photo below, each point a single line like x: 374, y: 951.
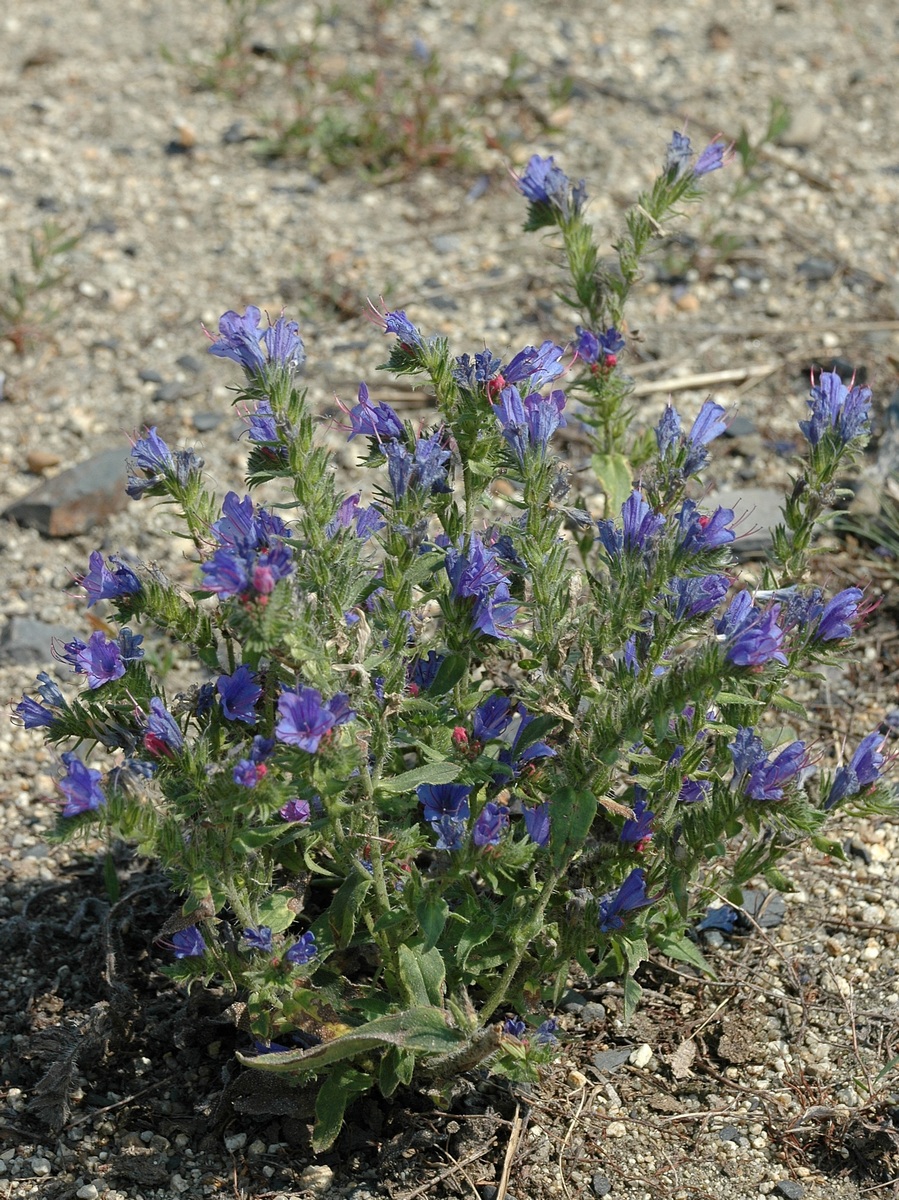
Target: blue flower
x: 244, y: 527
x: 374, y: 420
x: 188, y: 943
x: 451, y: 833
x: 668, y: 431
x: 530, y: 422
x: 679, y: 155
x: 535, y: 365
x: 545, y: 1034
x: 152, y: 454
x: 241, y: 339
x: 839, y: 616
x: 247, y: 773
x: 537, y: 823
x: 491, y: 719
x: 296, y: 810
x: 163, y: 735
x: 640, y: 526
x: 752, y: 637
x: 32, y: 714
x: 514, y: 1027
x: 239, y: 693
x: 245, y: 573
x: 693, y: 597
x: 302, y: 951
x: 547, y: 186
x: 638, y: 829
x: 629, y: 897
x: 100, y: 660
x: 478, y: 373
x: 476, y: 575
x: 81, y: 787
x: 259, y: 939
x: 713, y: 158
x: 722, y: 918
x: 835, y: 408
x: 444, y: 800
x: 593, y: 347
x: 700, y: 531
x: 490, y: 825
x: 423, y: 671
x: 759, y: 777
x: 862, y: 772
x: 103, y: 583
x: 305, y: 719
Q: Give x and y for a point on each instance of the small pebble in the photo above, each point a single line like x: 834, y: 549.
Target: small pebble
x: 789, y: 1188
x: 641, y: 1055
x: 315, y: 1179
x: 87, y: 1192
x: 616, y: 1129
x: 601, y: 1185
x: 40, y: 461
x: 41, y: 1166
x: 235, y: 1141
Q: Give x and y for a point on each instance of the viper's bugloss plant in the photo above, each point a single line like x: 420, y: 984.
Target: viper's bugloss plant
x: 438, y: 750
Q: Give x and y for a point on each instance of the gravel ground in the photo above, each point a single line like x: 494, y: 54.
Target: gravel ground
x: 776, y: 1078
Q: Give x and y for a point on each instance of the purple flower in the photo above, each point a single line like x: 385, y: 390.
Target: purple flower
x: 49, y: 692
x: 129, y: 645
x: 668, y: 431
x: 547, y: 186
x: 424, y: 468
x: 752, y: 636
x: 759, y: 777
x: 845, y: 411
x: 707, y: 426
x: 640, y: 526
x: 862, y: 772
x: 259, y: 939
x: 247, y: 773
x: 263, y: 429
x: 241, y: 339
x: 478, y: 373
x: 537, y: 823
x: 242, y: 526
x: 476, y: 575
x: 593, y: 347
x: 423, y: 671
x: 239, y: 693
x: 450, y: 832
x: 374, y: 420
x: 677, y: 156
x: 163, y: 735
x: 401, y: 327
x: 104, y: 583
x: 490, y: 825
x: 693, y: 791
x: 243, y: 572
x: 32, y: 714
x: 840, y: 615
x: 100, y: 660
x: 305, y: 719
x: 530, y: 422
x: 152, y: 455
x: 369, y: 521
x: 302, y: 951
x: 81, y: 787
x: 188, y: 943
x: 638, y: 829
x: 545, y: 1034
x: 701, y: 531
x: 296, y: 810
x: 630, y: 896
x: 491, y: 719
x: 712, y: 158
x: 693, y: 597
x: 515, y: 1028
x: 535, y: 365
x: 444, y: 800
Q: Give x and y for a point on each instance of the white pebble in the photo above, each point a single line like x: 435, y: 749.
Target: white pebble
x: 316, y: 1179
x: 616, y: 1129
x: 641, y: 1055
x: 41, y: 1166
x: 88, y: 1192
x: 235, y: 1141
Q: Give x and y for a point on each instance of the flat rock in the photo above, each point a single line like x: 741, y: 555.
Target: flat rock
x: 77, y: 499
x: 756, y: 511
x: 27, y: 640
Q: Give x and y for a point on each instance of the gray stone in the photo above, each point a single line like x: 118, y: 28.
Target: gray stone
x: 168, y: 392
x: 611, y: 1060
x: 816, y: 270
x: 148, y: 375
x: 729, y: 1133
x: 740, y: 427
x: 77, y: 499
x: 789, y: 1188
x: 592, y: 1011
x: 203, y: 422
x: 807, y: 123
x: 187, y: 362
x: 760, y: 510
x: 601, y: 1185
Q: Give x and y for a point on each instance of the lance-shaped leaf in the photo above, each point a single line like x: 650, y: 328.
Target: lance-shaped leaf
x: 571, y: 814
x: 437, y: 772
x: 422, y: 1030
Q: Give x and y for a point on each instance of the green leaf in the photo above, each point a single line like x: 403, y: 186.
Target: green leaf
x: 450, y: 671
x: 790, y: 706
x: 278, y: 911
x: 572, y: 816
x: 396, y: 1068
x: 249, y: 841
x: 614, y: 475
x: 338, y: 1091
x: 678, y: 947
x: 423, y: 975
x: 636, y: 951
x: 421, y: 1029
x: 632, y: 994
x: 432, y: 911
x: 827, y: 846
x: 346, y: 904
x: 734, y: 698
x: 436, y: 772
